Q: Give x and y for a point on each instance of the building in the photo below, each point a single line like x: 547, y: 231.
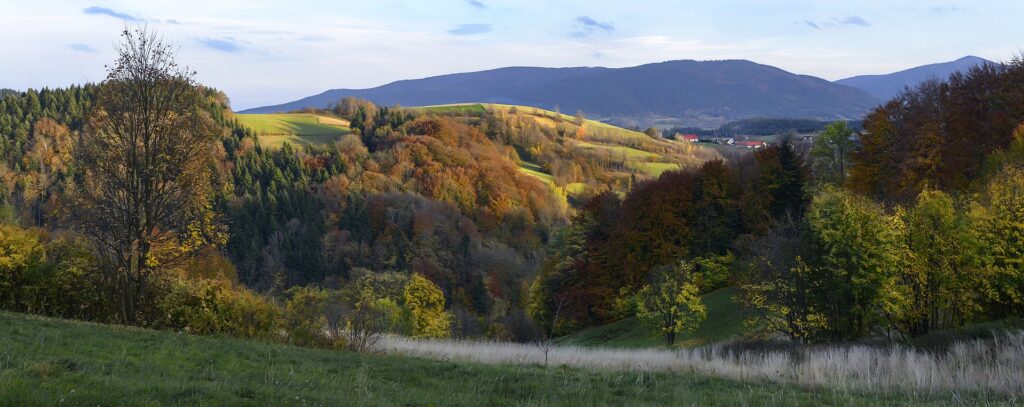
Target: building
x: 690, y: 138
x: 752, y: 144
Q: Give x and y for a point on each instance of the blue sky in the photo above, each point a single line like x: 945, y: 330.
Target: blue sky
x: 265, y: 52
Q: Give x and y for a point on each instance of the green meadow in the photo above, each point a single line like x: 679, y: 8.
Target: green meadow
x: 48, y: 361
x: 301, y: 129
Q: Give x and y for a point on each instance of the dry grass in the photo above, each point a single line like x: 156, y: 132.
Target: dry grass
x: 333, y: 121
x: 993, y: 366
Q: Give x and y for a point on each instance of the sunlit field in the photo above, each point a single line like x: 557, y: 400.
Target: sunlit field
x: 298, y: 129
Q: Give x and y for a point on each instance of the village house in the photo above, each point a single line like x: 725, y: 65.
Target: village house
x: 690, y: 138
x: 752, y: 144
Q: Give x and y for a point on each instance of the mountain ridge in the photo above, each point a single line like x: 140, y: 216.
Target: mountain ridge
x: 886, y: 86
x: 680, y: 91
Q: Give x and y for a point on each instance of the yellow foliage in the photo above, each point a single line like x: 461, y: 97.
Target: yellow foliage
x: 425, y: 303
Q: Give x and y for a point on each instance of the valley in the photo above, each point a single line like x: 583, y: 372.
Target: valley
x: 666, y: 206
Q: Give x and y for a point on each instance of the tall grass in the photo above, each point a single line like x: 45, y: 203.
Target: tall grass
x: 978, y: 366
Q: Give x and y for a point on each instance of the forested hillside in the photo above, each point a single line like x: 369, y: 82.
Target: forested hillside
x: 468, y: 201
x: 907, y: 227
x: 499, y: 221
x: 950, y: 135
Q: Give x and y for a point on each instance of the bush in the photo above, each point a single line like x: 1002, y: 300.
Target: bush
x: 48, y: 277
x: 203, y: 307
x: 305, y: 317
x: 22, y: 259
x: 353, y: 318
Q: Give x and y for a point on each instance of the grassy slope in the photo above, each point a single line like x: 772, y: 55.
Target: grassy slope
x: 725, y: 320
x: 48, y: 362
x: 295, y: 128
x: 536, y: 171
x: 613, y: 139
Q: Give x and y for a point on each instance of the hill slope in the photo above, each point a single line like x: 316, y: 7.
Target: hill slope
x: 295, y: 128
x: 573, y: 154
x: 49, y: 362
x: 885, y: 87
x: 724, y: 321
x: 692, y: 92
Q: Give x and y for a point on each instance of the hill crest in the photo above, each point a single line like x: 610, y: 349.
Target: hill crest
x: 705, y: 93
x: 887, y: 86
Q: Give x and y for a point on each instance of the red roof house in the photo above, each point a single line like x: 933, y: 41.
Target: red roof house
x: 752, y: 144
x: 688, y: 137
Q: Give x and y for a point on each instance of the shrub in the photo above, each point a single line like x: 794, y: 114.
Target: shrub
x: 304, y: 316
x: 203, y: 307
x: 22, y: 258
x: 49, y: 277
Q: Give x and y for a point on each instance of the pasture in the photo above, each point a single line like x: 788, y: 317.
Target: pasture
x: 48, y: 361
x: 299, y: 129
x: 724, y: 322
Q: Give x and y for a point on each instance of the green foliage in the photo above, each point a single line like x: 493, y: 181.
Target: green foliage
x: 48, y: 276
x: 305, y: 318
x: 671, y: 303
x: 203, y: 307
x: 425, y: 304
x: 997, y: 224
x: 858, y: 251
x: 785, y: 301
x: 22, y: 257
x: 830, y: 155
x: 725, y: 320
x: 938, y: 283
x: 712, y: 272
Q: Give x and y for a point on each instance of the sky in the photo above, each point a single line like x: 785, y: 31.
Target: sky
x: 263, y: 52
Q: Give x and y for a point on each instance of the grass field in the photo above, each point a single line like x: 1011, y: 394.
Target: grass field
x: 295, y: 128
x: 630, y: 154
x: 724, y: 321
x: 655, y: 169
x: 50, y: 362
x: 534, y: 170
x: 473, y: 108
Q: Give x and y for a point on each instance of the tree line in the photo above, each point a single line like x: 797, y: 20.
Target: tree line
x: 907, y: 227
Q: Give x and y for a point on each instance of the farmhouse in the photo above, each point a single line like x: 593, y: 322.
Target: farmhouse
x: 691, y: 138
x: 718, y: 140
x: 752, y: 144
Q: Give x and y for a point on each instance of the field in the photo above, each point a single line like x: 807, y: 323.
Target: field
x: 635, y: 152
x: 724, y: 321
x: 49, y: 362
x: 299, y: 129
x: 536, y: 171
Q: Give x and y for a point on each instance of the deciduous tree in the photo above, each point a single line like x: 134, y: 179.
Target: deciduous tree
x: 147, y: 152
x: 425, y: 303
x: 670, y: 303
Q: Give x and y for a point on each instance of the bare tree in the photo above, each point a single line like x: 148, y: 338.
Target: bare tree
x: 547, y: 342
x: 146, y: 153
x: 355, y: 318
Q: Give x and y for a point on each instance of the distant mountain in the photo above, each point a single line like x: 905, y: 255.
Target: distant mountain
x: 885, y: 87
x: 690, y: 92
